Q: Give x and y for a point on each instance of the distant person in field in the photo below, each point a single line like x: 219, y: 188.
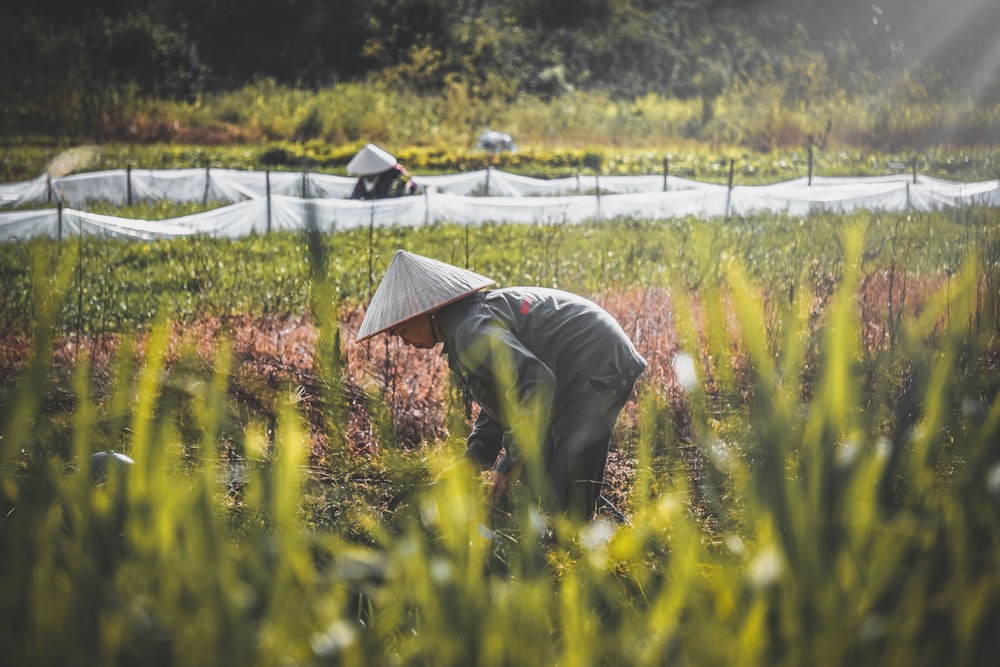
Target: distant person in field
x: 550, y: 371
x: 380, y: 176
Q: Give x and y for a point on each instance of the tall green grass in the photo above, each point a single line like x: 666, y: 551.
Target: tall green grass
x: 848, y: 513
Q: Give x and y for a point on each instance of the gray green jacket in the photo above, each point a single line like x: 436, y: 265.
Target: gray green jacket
x: 521, y: 350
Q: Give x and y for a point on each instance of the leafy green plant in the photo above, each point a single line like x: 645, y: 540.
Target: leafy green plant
x: 847, y: 508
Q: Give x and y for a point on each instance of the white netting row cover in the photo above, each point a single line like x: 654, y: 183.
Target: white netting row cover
x: 271, y: 201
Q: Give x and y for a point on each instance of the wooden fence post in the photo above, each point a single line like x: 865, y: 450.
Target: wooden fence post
x: 267, y: 189
x: 597, y: 189
x: 729, y: 191
x: 128, y: 185
x: 208, y: 181
x: 371, y: 250
x: 666, y: 171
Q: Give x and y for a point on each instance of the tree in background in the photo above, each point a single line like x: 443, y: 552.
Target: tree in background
x: 69, y: 67
x: 61, y: 67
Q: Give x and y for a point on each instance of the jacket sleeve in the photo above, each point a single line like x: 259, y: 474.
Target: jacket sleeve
x: 359, y: 190
x: 524, y: 386
x: 484, y: 443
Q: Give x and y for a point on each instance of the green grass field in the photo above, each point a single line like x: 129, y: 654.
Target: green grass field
x: 826, y: 492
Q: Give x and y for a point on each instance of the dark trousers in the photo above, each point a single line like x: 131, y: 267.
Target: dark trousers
x: 576, y: 450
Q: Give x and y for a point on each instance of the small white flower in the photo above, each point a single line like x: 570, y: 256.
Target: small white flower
x: 429, y: 513
x: 333, y: 640
x: 846, y: 453
x: 766, y: 567
x: 735, y: 544
x: 883, y: 448
x: 721, y: 454
x: 993, y: 480
x: 597, y: 534
x: 536, y: 521
x: 916, y: 433
x: 683, y: 365
x: 441, y: 570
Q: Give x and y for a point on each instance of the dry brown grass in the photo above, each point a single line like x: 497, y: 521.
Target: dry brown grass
x: 272, y: 355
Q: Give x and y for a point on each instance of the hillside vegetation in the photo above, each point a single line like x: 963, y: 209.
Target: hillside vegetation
x: 761, y: 75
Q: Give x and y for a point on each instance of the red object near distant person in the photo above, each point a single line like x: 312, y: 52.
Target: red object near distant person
x: 380, y: 175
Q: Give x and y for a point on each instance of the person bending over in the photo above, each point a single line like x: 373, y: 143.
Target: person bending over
x: 550, y: 370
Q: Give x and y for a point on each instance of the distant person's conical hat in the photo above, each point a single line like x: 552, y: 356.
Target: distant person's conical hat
x: 414, y: 285
x: 369, y: 161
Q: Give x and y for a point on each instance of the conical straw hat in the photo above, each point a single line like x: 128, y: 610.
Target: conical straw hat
x: 414, y: 285
x: 369, y: 161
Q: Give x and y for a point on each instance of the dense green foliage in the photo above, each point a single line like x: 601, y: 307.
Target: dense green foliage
x: 103, y: 71
x: 848, y: 510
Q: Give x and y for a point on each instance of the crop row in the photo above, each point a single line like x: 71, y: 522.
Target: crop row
x: 28, y: 160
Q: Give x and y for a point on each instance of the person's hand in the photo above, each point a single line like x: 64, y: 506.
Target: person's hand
x: 500, y: 481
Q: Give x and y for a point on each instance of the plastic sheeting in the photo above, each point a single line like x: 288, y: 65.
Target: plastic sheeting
x: 269, y: 201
